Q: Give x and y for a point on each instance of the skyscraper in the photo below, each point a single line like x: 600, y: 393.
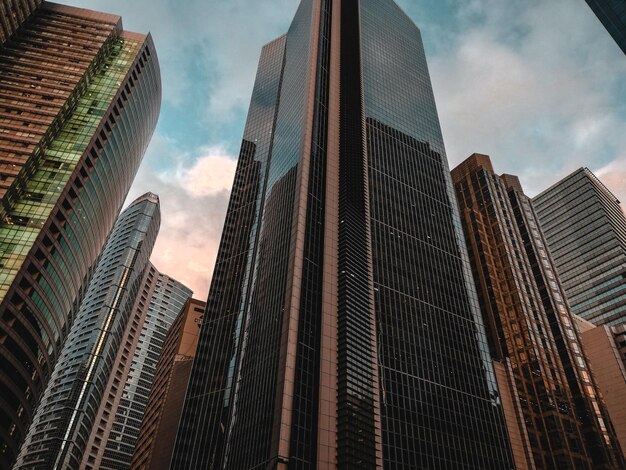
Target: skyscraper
x: 79, y: 99
x: 89, y: 360
x: 155, y: 443
x: 612, y: 14
x: 114, y: 434
x: 585, y: 229
x: 530, y: 328
x: 342, y: 326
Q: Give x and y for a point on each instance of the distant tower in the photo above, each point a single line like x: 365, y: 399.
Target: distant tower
x: 115, y: 431
x: 585, y: 228
x: 531, y: 330
x: 155, y: 443
x: 342, y: 326
x: 98, y: 375
x: 612, y: 14
x: 79, y: 100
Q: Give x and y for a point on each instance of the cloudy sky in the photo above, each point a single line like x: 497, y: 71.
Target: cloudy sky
x: 539, y: 85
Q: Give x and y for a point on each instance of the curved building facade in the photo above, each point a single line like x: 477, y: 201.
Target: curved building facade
x: 58, y: 434
x: 79, y: 99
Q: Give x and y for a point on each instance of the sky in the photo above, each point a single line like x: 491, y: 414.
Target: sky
x: 538, y: 85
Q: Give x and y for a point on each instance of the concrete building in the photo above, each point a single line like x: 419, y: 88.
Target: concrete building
x: 158, y: 429
x: 605, y: 347
x: 114, y: 435
x: 90, y: 413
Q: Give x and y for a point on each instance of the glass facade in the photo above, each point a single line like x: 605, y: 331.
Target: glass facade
x: 58, y: 435
x: 352, y: 336
x: 204, y: 424
x: 79, y: 100
x: 116, y: 428
x: 612, y: 14
x: 530, y: 326
x: 440, y: 406
x: 585, y: 229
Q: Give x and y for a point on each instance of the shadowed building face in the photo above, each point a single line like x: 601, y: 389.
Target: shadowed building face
x: 342, y: 326
x: 530, y: 327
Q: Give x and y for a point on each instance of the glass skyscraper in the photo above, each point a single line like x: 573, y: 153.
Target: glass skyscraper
x: 530, y: 327
x: 79, y: 99
x: 115, y: 431
x: 585, y: 228
x: 342, y: 325
x: 612, y: 14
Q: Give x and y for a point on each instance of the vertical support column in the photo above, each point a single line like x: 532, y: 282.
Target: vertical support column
x: 289, y: 335
x: 327, y: 419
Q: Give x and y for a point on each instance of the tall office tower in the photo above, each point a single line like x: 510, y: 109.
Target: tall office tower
x: 612, y: 14
x: 155, y: 443
x: 585, y: 228
x: 342, y: 326
x: 114, y: 434
x: 605, y: 347
x: 58, y: 435
x: 79, y: 99
x: 530, y: 327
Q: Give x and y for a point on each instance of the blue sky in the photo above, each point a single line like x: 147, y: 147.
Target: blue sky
x: 539, y: 85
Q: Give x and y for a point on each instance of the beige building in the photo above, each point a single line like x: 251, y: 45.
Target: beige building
x: 158, y: 429
x: 605, y: 348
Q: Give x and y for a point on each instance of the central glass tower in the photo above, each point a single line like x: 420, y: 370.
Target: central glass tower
x: 342, y: 327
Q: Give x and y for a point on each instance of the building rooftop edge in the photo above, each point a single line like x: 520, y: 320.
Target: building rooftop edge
x: 584, y: 170
x: 471, y: 163
x: 109, y: 18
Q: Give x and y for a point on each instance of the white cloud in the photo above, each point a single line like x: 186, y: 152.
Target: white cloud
x: 536, y: 85
x: 194, y: 195
x: 211, y: 174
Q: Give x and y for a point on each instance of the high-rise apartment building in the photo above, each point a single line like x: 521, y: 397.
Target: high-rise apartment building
x: 155, y: 443
x: 585, y: 228
x: 114, y: 434
x: 342, y: 327
x: 91, y: 366
x: 605, y: 347
x: 79, y: 100
x: 612, y: 14
x: 530, y: 328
